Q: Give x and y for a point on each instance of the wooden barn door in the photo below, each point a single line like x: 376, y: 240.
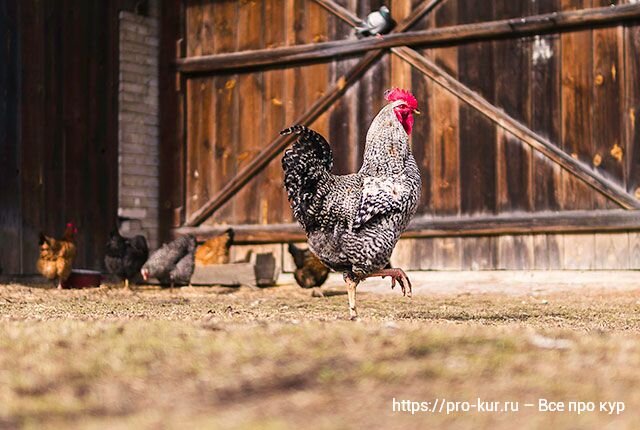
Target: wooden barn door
x: 528, y: 149
x: 58, y: 127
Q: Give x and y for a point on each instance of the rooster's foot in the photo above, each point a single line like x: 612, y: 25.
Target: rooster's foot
x: 397, y: 275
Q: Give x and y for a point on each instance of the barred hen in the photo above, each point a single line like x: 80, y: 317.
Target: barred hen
x: 57, y: 255
x: 173, y: 263
x: 354, y: 221
x: 125, y: 256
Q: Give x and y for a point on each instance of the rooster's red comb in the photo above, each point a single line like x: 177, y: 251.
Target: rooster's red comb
x: 394, y: 94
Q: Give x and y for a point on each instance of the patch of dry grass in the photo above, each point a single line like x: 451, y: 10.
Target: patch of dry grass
x: 277, y: 358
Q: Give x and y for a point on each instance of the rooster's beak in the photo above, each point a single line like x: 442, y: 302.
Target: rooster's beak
x: 416, y: 111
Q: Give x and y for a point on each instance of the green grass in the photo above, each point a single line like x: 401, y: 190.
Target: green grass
x: 279, y: 359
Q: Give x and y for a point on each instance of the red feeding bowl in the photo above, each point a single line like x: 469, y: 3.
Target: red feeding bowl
x: 83, y: 279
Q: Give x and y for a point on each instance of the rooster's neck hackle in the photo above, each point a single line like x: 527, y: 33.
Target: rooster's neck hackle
x: 387, y: 145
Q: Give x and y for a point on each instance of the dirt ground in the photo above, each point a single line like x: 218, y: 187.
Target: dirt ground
x: 278, y: 358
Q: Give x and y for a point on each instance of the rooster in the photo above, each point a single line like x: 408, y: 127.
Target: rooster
x: 125, y: 256
x: 173, y: 263
x: 57, y: 255
x: 310, y: 272
x: 354, y: 221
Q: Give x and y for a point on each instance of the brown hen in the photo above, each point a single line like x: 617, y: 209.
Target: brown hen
x: 215, y: 250
x: 57, y: 255
x: 310, y: 272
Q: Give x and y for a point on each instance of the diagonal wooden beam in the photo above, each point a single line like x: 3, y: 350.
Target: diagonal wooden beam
x: 605, y: 186
x: 276, y: 146
x: 341, y: 12
x: 326, y: 51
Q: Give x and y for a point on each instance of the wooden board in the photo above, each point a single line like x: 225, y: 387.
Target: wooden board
x: 631, y: 106
x: 273, y: 101
x: 10, y: 207
x: 608, y: 79
x: 612, y: 251
x: 172, y: 144
x: 477, y: 143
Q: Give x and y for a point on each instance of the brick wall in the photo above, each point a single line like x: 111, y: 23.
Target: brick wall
x: 139, y: 123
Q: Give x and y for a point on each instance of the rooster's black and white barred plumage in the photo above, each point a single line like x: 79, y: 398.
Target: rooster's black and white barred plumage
x: 354, y: 221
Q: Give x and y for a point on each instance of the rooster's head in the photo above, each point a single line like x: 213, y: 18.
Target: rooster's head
x: 405, y: 106
x: 70, y: 231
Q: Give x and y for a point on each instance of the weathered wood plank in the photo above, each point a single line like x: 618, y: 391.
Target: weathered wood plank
x: 447, y: 253
x: 405, y: 255
x: 634, y: 250
x: 477, y: 134
x: 477, y: 141
x: 295, y: 97
x: 270, y: 186
x: 445, y: 119
x: 612, y: 251
x: 546, y: 110
x: 172, y: 145
x: 607, y: 126
x: 227, y: 111
x: 194, y: 23
x: 514, y: 183
x: 10, y: 181
x: 579, y: 252
x: 32, y: 47
x: 546, y: 120
x: 422, y: 143
x: 201, y: 115
x: 343, y: 125
x: 577, y: 63
x: 53, y: 88
x: 631, y: 106
x: 576, y: 108
x: 249, y: 87
x: 101, y: 178
x: 515, y: 252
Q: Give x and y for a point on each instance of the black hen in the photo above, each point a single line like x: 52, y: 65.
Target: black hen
x: 310, y: 272
x: 173, y: 263
x: 125, y: 256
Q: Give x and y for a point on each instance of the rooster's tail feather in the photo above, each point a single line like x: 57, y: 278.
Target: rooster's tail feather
x: 307, y: 166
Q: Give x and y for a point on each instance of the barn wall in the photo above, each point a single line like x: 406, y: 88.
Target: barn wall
x: 578, y: 89
x: 66, y: 144
x: 10, y: 211
x: 139, y: 124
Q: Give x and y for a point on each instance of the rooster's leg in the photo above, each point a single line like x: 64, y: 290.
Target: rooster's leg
x: 126, y: 283
x: 351, y: 291
x: 59, y: 284
x: 396, y: 275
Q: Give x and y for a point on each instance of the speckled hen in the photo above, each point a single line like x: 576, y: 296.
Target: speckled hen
x: 354, y: 221
x: 173, y: 263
